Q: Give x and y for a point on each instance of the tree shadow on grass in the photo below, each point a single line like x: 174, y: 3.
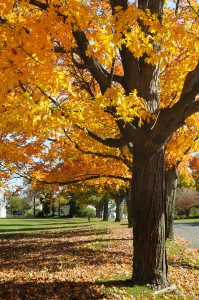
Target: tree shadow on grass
x: 59, y: 258
x: 45, y: 290
x: 14, y: 230
x: 182, y: 264
x: 117, y: 283
x: 37, y: 231
x: 59, y: 251
x: 65, y: 290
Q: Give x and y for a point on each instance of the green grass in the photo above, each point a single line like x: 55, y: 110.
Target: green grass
x: 189, y: 220
x: 19, y: 226
x: 118, y: 284
x: 174, y: 248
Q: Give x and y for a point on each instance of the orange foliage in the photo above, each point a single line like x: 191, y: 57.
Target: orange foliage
x: 51, y: 93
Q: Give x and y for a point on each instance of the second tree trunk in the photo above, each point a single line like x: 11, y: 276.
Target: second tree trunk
x: 148, y: 207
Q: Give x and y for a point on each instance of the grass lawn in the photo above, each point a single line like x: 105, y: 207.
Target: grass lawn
x: 10, y: 226
x: 74, y: 259
x: 189, y: 220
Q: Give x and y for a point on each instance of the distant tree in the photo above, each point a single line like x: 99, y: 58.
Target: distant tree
x: 119, y: 200
x: 105, y: 208
x: 17, y: 205
x: 74, y: 205
x: 87, y: 211
x: 194, y: 166
x: 32, y: 195
x: 186, y: 180
x: 185, y: 200
x: 45, y: 200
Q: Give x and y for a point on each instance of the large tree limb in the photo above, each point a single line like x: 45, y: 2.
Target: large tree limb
x: 191, y: 81
x: 89, y: 177
x: 122, y: 3
x: 110, y: 142
x: 170, y: 119
x: 85, y: 177
x: 2, y: 20
x: 186, y: 152
x: 90, y: 63
x: 156, y: 6
x: 39, y: 4
x: 98, y: 154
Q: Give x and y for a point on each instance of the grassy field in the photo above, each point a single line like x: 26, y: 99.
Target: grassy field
x: 190, y: 220
x: 9, y: 226
x: 74, y: 259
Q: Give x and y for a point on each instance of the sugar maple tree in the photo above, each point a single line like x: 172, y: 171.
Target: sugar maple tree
x: 123, y: 73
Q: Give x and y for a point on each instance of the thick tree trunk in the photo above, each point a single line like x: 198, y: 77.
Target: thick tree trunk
x: 119, y: 208
x: 99, y: 208
x: 34, y: 207
x: 59, y: 210
x: 129, y: 207
x: 105, y: 214
x: 72, y: 210
x: 148, y: 207
x: 187, y: 213
x: 171, y: 185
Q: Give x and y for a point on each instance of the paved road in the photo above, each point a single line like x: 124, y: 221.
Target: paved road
x: 189, y: 231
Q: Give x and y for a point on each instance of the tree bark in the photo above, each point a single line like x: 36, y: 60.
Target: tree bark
x: 34, y: 207
x: 129, y: 207
x: 99, y: 208
x: 171, y: 184
x: 74, y: 206
x: 105, y: 214
x: 119, y: 208
x: 148, y: 208
x: 59, y: 210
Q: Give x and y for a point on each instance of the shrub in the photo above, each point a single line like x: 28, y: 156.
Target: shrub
x: 86, y: 211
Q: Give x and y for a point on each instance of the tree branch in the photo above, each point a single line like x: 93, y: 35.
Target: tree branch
x: 193, y: 8
x: 92, y: 65
x: 2, y: 20
x: 114, y: 77
x: 122, y: 3
x: 156, y: 7
x: 49, y: 97
x: 110, y: 142
x: 123, y: 160
x: 41, y: 5
x: 59, y: 49
x: 170, y: 119
x: 90, y: 177
x: 177, y: 6
x: 191, y: 80
x: 186, y: 152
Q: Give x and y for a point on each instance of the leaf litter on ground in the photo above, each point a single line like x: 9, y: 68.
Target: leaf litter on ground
x: 78, y: 264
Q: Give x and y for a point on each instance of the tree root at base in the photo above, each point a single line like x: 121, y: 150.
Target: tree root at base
x: 170, y: 289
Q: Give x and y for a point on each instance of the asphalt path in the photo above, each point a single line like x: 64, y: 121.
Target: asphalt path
x: 188, y: 231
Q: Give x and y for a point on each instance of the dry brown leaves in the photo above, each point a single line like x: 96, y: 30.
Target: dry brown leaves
x: 77, y: 264
x: 184, y: 269
x: 64, y: 265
